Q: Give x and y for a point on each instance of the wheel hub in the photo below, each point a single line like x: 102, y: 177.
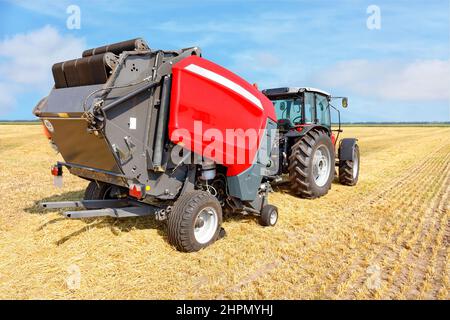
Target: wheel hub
x: 199, y: 223
x: 273, y: 217
x: 206, y: 225
x: 321, y: 166
x: 355, y: 164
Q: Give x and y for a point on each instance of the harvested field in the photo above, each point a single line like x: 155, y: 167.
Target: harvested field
x: 386, y: 238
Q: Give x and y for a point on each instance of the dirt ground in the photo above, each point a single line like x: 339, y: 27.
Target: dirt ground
x: 386, y: 238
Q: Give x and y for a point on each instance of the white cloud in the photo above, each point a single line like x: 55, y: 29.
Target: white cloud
x: 422, y: 80
x: 7, y: 97
x: 378, y: 90
x: 416, y: 81
x: 27, y: 58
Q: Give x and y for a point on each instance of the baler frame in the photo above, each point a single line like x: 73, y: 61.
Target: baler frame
x: 112, y: 115
x: 115, y: 208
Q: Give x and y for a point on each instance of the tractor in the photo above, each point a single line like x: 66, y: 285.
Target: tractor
x: 307, y: 142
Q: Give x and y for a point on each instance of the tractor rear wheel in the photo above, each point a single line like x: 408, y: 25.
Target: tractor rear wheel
x: 349, y: 170
x: 194, y: 221
x: 311, y: 165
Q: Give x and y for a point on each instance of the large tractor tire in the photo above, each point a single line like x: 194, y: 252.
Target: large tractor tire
x: 311, y: 165
x: 194, y: 221
x: 349, y: 170
x: 98, y: 191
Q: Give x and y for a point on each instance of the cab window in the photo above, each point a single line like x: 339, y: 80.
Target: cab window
x: 322, y: 110
x: 309, y: 107
x: 288, y: 109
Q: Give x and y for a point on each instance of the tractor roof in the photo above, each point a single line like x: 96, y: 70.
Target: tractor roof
x: 292, y: 90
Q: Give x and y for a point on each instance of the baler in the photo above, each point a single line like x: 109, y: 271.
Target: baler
x: 163, y: 133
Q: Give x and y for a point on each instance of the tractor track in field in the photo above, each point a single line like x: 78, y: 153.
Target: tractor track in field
x: 411, y: 173
x: 440, y: 286
x: 398, y: 187
x: 401, y: 232
x: 388, y: 195
x: 399, y: 238
x: 425, y: 276
x: 384, y: 197
x: 431, y: 278
x: 440, y: 254
x: 415, y: 251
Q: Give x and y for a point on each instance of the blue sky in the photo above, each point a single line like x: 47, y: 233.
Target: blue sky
x: 399, y: 72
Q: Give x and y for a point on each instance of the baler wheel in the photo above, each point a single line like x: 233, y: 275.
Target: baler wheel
x: 269, y: 216
x: 97, y: 191
x: 349, y: 170
x: 311, y: 165
x: 194, y: 221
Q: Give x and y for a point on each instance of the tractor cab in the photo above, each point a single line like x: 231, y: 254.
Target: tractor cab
x: 299, y: 107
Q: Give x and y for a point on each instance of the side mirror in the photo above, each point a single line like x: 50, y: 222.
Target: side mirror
x: 282, y: 106
x: 345, y: 102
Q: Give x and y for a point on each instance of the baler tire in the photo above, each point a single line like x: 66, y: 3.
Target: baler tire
x: 347, y: 175
x: 269, y: 216
x: 182, y: 220
x: 96, y: 191
x: 302, y: 182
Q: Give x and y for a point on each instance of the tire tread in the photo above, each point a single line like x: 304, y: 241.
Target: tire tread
x: 299, y: 162
x: 180, y: 220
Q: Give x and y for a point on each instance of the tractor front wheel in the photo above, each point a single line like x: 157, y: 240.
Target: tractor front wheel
x: 311, y: 165
x: 349, y: 170
x: 194, y: 221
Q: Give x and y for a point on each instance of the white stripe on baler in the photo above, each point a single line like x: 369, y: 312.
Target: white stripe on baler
x: 225, y: 82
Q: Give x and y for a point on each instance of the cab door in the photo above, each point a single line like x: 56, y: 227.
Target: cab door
x: 322, y: 110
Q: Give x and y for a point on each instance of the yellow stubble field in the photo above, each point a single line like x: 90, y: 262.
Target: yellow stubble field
x: 386, y: 238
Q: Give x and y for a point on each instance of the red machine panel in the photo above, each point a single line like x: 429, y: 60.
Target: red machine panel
x: 206, y: 100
